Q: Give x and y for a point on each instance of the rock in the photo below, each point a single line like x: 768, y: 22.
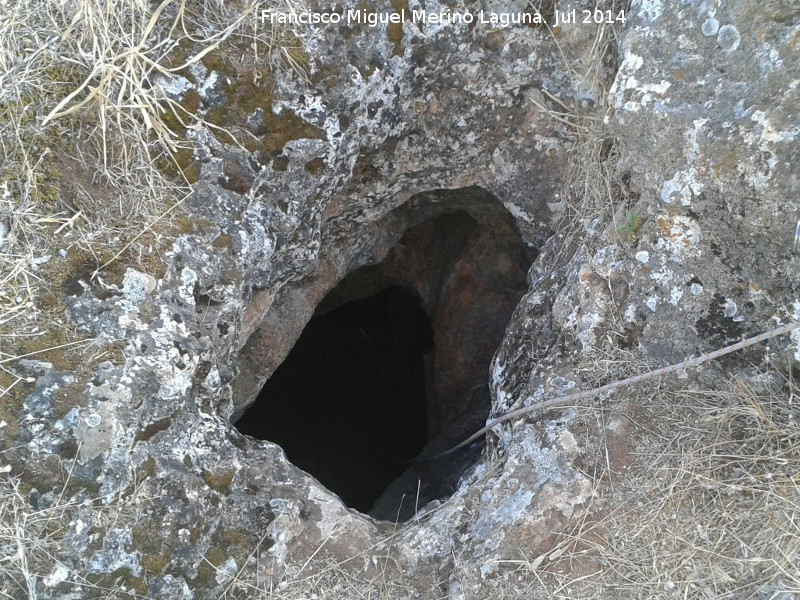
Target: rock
x: 704, y: 106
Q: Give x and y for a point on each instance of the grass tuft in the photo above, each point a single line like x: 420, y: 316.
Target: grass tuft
x: 95, y: 154
x: 707, y: 508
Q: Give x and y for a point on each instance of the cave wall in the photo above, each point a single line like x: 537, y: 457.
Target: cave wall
x: 276, y: 230
x: 469, y: 273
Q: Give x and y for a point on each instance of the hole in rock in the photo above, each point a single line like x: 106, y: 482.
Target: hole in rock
x: 395, y: 360
x: 348, y: 403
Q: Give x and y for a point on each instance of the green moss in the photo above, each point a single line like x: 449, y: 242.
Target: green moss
x: 154, y: 563
x: 170, y: 119
x: 315, y: 166
x: 281, y: 163
x: 215, y: 61
x: 11, y: 407
x: 365, y: 7
x: 50, y: 347
x: 394, y: 31
x: 177, y: 118
x: 217, y: 116
x: 191, y: 101
x: 100, y: 584
x: 243, y: 97
x: 495, y: 40
x: 204, y: 226
x: 44, y: 182
x: 236, y: 538
x: 251, y: 144
x: 148, y: 468
x: 184, y: 224
x: 400, y: 5
x: 178, y: 57
x: 141, y: 535
x: 207, y: 571
x: 183, y: 157
x: 329, y: 77
x: 192, y: 173
x: 284, y: 128
x: 195, y: 533
x: 229, y: 276
x: 181, y: 161
x: 224, y: 241
x: 216, y: 556
x: 42, y: 474
x: 235, y: 542
x: 150, y: 263
x: 154, y: 547
x: 219, y: 482
x: 155, y: 427
x: 68, y: 397
x: 225, y: 136
x: 249, y: 97
x: 205, y: 577
x: 245, y: 94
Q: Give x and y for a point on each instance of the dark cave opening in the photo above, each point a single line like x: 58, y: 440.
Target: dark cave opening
x: 348, y: 403
x: 395, y: 361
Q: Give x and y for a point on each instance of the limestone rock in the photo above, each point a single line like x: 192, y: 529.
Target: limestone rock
x: 705, y: 110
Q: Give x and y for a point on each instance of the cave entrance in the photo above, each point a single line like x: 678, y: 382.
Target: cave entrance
x: 395, y: 360
x: 348, y: 403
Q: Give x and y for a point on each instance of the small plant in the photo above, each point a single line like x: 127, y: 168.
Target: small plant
x: 630, y: 229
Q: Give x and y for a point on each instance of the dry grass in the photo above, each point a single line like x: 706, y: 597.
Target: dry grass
x: 75, y: 80
x: 592, y: 195
x: 84, y: 139
x: 328, y: 579
x: 86, y: 130
x: 29, y: 540
x: 709, y: 507
x: 34, y: 532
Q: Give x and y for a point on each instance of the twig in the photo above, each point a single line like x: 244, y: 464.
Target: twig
x: 578, y: 397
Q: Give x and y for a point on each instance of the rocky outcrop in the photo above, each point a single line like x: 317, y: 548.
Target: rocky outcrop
x: 705, y: 108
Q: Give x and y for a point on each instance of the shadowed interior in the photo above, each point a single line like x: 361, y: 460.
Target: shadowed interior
x: 348, y: 403
x: 395, y: 360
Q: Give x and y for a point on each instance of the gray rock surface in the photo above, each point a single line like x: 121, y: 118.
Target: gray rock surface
x: 706, y: 110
